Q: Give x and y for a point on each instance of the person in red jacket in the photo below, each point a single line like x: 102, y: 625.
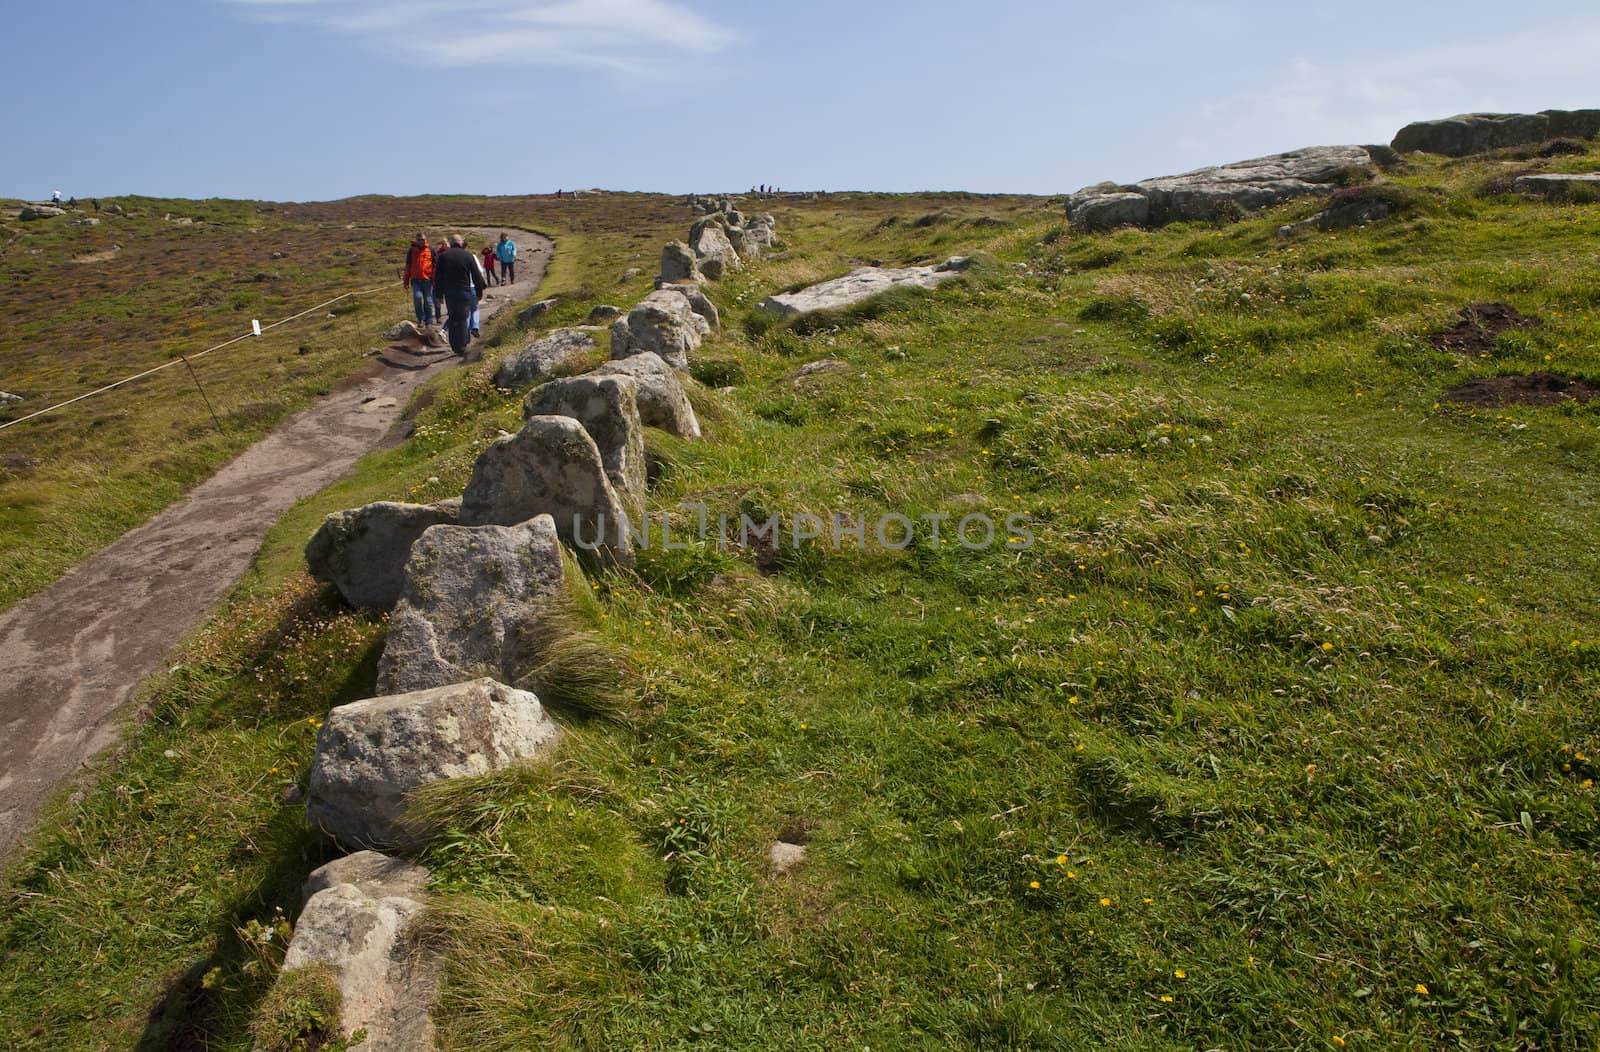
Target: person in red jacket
x: 419, y: 279
x: 488, y: 264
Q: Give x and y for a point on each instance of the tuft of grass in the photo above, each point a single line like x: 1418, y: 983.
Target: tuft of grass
x: 301, y: 1014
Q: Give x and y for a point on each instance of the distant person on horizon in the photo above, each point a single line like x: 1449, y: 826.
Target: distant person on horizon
x: 506, y: 252
x: 458, y: 278
x: 488, y: 266
x: 418, y: 278
x: 55, y: 199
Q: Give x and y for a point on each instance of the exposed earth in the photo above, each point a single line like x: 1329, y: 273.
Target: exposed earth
x: 73, y: 655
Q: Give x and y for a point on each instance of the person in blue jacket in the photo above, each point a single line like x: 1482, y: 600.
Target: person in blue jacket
x: 505, y: 250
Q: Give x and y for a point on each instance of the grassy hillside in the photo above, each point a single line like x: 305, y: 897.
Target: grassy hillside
x: 90, y: 305
x: 1280, y: 735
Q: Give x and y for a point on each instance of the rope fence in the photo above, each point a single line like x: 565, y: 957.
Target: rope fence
x: 189, y: 359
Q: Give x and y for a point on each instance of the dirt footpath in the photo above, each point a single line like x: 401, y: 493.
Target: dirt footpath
x: 72, y: 655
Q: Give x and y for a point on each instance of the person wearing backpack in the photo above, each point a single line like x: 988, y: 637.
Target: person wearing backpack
x: 458, y: 278
x: 505, y: 250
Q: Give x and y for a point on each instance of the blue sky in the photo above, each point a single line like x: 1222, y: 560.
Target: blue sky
x: 319, y: 99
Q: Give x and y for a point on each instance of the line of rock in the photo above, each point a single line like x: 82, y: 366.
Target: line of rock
x: 471, y: 584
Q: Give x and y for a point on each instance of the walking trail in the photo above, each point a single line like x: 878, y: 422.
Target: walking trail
x: 73, y: 655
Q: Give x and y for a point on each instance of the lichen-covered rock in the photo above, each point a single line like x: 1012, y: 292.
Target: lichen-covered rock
x: 678, y: 263
x: 363, y: 551
x: 664, y: 323
x: 541, y: 357
x: 662, y: 401
x: 1222, y: 192
x: 699, y: 302
x: 472, y: 600
x: 1107, y: 209
x: 551, y: 467
x: 712, y: 249
x: 603, y: 313
x: 372, y: 754
x: 359, y: 922
x: 379, y: 875
x: 860, y: 285
x: 607, y: 407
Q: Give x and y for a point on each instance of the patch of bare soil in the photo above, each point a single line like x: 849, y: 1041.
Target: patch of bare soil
x: 1477, y: 326
x: 1540, y: 388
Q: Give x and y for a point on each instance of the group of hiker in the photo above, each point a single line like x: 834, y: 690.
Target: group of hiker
x: 446, y: 281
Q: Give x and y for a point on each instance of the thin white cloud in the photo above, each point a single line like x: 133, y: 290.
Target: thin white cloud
x: 636, y: 38
x: 1362, y: 100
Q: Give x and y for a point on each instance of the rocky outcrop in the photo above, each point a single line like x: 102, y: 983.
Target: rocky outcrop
x: 1471, y: 133
x: 861, y: 285
x: 359, y: 921
x: 363, y: 551
x: 551, y: 467
x: 661, y: 398
x: 540, y: 358
x: 1558, y: 187
x: 664, y: 323
x: 472, y: 599
x: 372, y: 754
x: 30, y: 213
x: 1223, y: 192
x: 8, y: 400
x: 607, y: 407
x: 678, y: 263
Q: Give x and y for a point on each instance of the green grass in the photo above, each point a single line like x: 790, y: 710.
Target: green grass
x: 1282, y: 731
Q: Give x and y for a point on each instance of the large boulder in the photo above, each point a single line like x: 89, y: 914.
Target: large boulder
x: 540, y: 358
x: 363, y: 551
x: 663, y: 323
x: 1471, y: 133
x: 860, y: 285
x: 551, y: 467
x: 608, y: 408
x: 662, y: 400
x: 678, y: 263
x: 360, y: 922
x: 1223, y: 192
x: 371, y: 755
x: 473, y: 597
x: 712, y: 249
x: 1558, y: 187
x: 30, y: 213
